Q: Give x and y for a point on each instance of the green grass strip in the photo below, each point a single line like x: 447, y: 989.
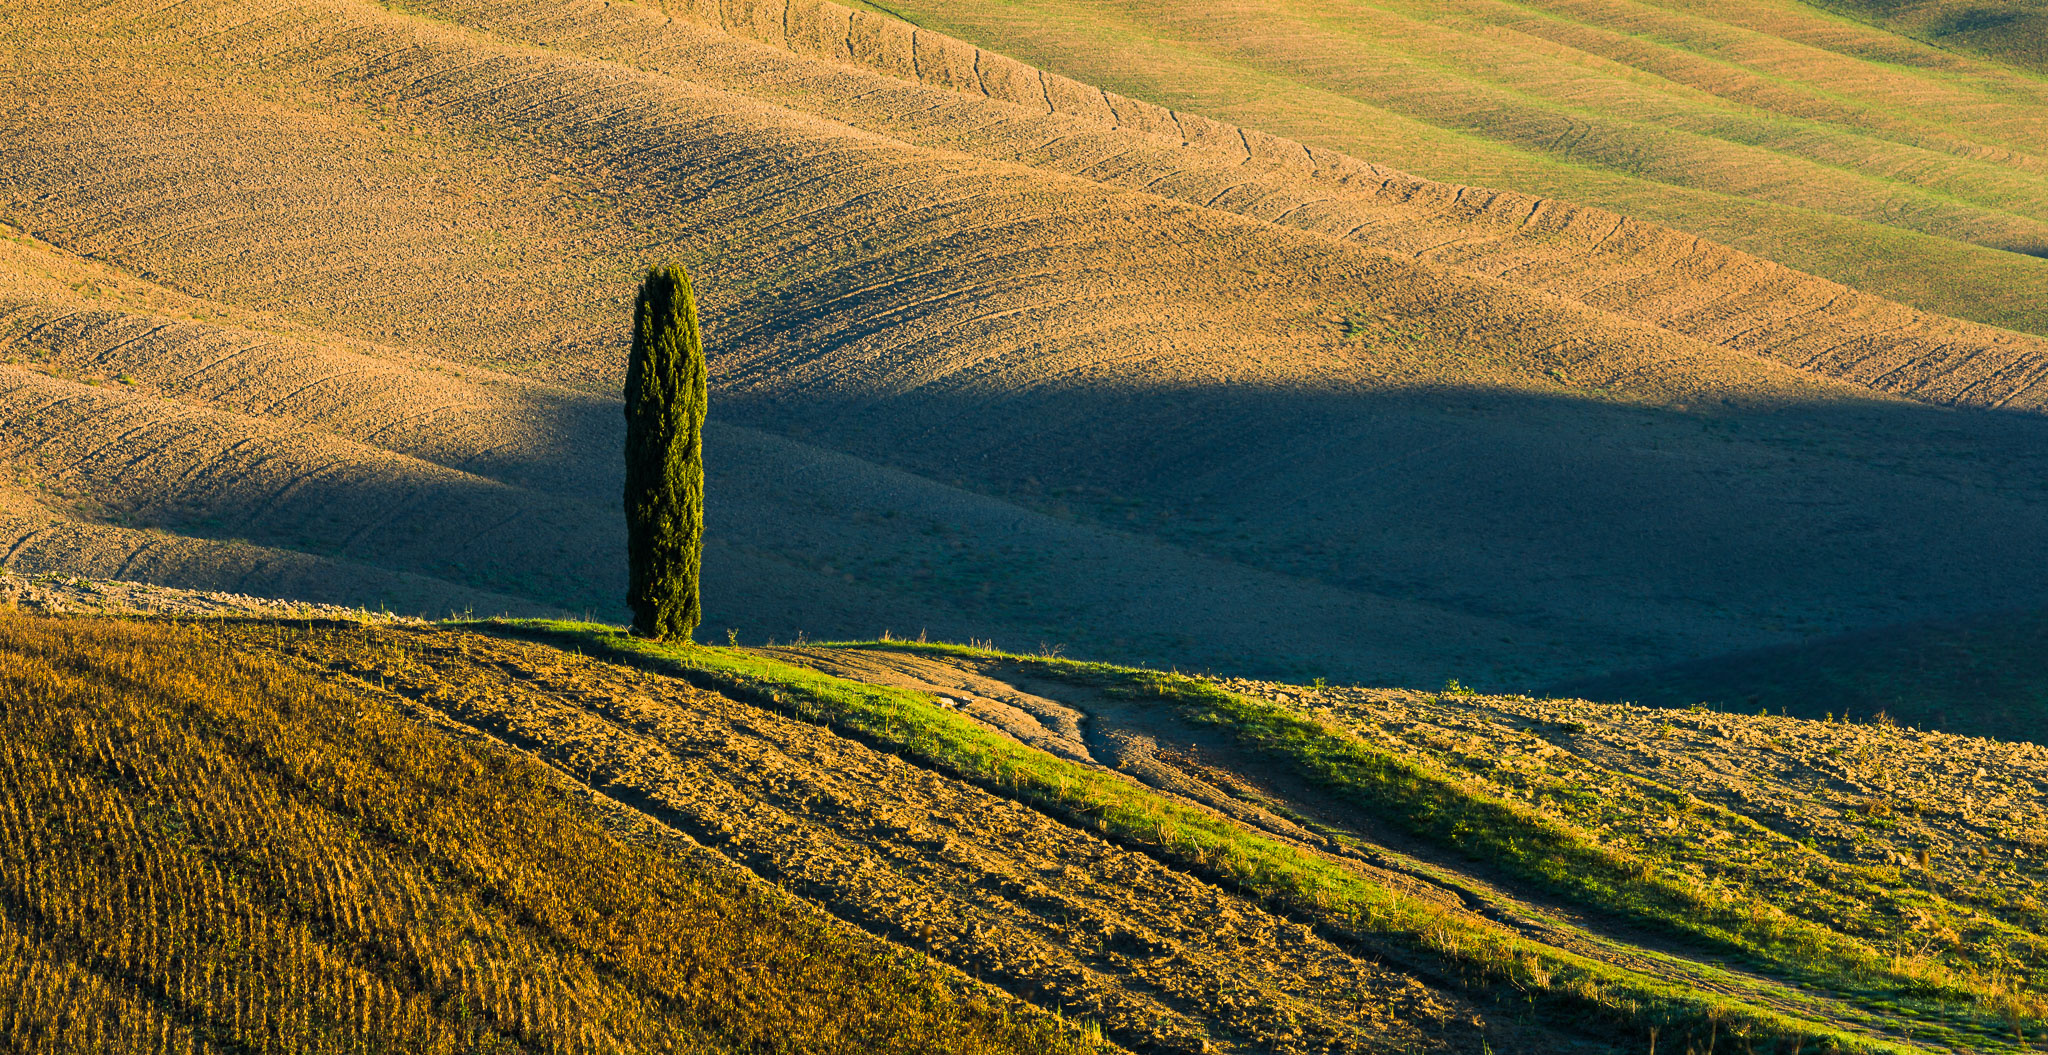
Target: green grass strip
x: 912, y: 723
x: 1447, y: 811
x: 1526, y: 843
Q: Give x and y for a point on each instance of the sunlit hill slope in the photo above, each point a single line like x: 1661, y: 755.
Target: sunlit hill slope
x: 288, y: 834
x: 324, y: 298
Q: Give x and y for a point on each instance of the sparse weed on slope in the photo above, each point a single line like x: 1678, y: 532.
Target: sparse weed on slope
x: 1340, y: 899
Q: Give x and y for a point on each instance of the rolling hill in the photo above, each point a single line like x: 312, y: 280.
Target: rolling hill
x: 289, y: 833
x: 325, y: 298
x: 1978, y: 676
x: 212, y: 852
x: 1685, y: 354
x: 1860, y: 153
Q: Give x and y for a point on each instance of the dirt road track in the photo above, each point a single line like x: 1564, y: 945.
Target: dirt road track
x: 1165, y: 961
x: 1158, y: 746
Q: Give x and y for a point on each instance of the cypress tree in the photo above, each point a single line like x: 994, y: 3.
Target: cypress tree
x: 665, y: 398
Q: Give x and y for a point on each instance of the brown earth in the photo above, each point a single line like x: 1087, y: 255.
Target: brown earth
x: 1923, y: 841
x: 1162, y: 960
x: 328, y: 294
x: 53, y: 595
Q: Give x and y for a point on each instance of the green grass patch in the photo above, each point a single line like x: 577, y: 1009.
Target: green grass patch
x: 1286, y: 877
x: 1450, y: 811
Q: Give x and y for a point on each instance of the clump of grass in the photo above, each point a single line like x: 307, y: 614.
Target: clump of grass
x: 208, y: 851
x: 912, y: 723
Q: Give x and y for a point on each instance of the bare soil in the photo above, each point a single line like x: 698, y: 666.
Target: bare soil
x: 330, y: 305
x: 1162, y: 960
x: 1899, y: 838
x: 52, y: 595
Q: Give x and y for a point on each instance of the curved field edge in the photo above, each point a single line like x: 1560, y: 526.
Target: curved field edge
x: 939, y: 93
x: 930, y: 87
x: 1011, y: 387
x: 1336, y: 899
x: 1540, y: 136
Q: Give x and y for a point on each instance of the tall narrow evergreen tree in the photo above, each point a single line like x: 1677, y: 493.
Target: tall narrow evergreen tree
x: 665, y: 398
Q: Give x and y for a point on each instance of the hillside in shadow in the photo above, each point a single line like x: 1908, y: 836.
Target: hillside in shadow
x: 1976, y: 676
x: 331, y: 304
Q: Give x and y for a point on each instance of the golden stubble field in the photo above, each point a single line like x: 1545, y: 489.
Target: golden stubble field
x: 325, y: 299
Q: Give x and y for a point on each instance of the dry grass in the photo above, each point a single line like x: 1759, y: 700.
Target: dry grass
x: 212, y: 852
x: 1801, y: 846
x: 465, y: 897
x: 1712, y: 836
x: 2011, y: 31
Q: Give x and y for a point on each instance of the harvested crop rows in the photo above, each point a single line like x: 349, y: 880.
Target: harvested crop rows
x: 1143, y: 943
x: 211, y: 852
x: 1163, y: 961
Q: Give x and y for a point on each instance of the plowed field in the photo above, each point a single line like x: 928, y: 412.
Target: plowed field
x: 1033, y: 827
x: 325, y: 297
x: 1162, y: 960
x: 1885, y: 160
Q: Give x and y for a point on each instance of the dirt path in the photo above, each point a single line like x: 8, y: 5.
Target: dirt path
x: 1199, y: 765
x: 1165, y: 961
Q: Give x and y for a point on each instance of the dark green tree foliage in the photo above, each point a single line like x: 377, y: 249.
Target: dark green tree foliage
x: 665, y: 396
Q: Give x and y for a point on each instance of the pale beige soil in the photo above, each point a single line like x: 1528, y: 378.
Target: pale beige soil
x: 1085, y: 373
x: 1903, y: 170
x: 458, y: 448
